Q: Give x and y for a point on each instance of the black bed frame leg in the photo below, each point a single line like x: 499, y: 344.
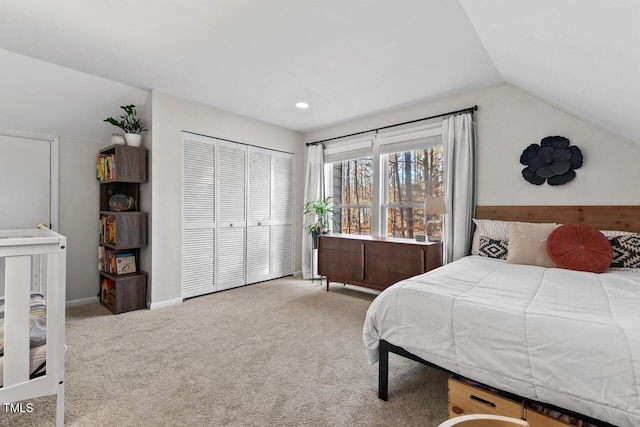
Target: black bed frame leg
x: 383, y: 370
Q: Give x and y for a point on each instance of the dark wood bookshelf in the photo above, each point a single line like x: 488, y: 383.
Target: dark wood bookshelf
x: 130, y: 164
x: 130, y: 230
x: 110, y: 188
x: 129, y: 291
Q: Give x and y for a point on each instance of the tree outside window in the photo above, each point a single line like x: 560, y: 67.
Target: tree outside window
x: 353, y: 182
x: 407, y: 180
x: 412, y: 176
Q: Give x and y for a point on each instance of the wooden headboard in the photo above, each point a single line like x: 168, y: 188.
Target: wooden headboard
x: 625, y: 218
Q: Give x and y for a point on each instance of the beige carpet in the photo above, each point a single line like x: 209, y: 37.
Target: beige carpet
x: 278, y: 353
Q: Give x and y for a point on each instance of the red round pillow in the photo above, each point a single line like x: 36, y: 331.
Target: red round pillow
x: 579, y: 247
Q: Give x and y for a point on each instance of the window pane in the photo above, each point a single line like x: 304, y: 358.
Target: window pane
x: 353, y: 192
x: 414, y: 174
x: 405, y: 222
x: 357, y: 181
x: 356, y: 220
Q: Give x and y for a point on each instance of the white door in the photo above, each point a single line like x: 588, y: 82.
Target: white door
x: 231, y: 218
x: 259, y: 215
x: 25, y: 182
x: 28, y: 186
x: 282, y: 229
x: 198, y: 215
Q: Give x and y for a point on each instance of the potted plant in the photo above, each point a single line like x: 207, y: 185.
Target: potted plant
x: 130, y: 124
x: 319, y: 213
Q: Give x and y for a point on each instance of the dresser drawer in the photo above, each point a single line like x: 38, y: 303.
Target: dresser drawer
x: 341, y: 258
x: 387, y: 263
x: 465, y: 399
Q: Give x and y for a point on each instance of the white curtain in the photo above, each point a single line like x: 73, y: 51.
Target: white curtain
x: 313, y: 190
x: 458, y: 137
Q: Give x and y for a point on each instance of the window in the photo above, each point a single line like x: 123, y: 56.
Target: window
x: 353, y: 192
x: 413, y: 176
x: 351, y: 174
x: 381, y: 181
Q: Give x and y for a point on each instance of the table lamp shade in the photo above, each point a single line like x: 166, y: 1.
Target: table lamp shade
x: 435, y: 206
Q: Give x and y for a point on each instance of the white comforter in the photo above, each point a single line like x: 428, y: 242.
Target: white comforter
x: 563, y: 337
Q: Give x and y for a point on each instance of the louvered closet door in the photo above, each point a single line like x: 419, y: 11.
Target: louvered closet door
x: 231, y: 225
x: 259, y: 215
x: 198, y: 215
x: 282, y: 229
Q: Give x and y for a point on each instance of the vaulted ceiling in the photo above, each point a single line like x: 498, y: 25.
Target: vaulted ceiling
x: 75, y: 61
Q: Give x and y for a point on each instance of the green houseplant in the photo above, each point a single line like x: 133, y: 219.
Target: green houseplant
x: 319, y: 213
x: 130, y: 124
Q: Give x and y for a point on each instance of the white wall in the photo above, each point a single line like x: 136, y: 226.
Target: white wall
x: 172, y: 115
x: 508, y: 120
x: 41, y: 97
x: 79, y: 216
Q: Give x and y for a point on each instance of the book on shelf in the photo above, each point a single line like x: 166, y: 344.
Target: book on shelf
x: 101, y: 258
x: 107, y: 229
x: 105, y: 166
x: 125, y: 263
x: 117, y: 261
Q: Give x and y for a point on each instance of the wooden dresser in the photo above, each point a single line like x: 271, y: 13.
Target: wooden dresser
x: 374, y: 262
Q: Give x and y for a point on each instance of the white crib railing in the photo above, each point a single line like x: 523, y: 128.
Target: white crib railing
x: 33, y: 259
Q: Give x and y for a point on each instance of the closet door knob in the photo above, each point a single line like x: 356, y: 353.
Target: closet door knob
x: 259, y: 223
x: 231, y: 225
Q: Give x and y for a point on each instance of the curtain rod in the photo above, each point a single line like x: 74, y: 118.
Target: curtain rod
x: 464, y: 110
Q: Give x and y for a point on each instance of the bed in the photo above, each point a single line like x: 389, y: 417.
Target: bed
x: 32, y: 316
x: 570, y: 339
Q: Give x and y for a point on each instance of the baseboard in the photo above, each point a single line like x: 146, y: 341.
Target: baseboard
x: 82, y: 301
x: 167, y: 303
x: 297, y: 273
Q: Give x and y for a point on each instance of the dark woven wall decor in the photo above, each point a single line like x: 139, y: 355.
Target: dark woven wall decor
x: 552, y: 161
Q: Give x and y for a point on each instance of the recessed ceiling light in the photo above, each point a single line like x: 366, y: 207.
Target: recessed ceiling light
x: 302, y: 105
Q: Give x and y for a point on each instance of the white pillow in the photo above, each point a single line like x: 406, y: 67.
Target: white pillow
x: 528, y: 244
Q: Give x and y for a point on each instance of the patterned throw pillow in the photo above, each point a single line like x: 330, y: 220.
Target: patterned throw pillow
x: 626, y: 251
x: 492, y: 248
